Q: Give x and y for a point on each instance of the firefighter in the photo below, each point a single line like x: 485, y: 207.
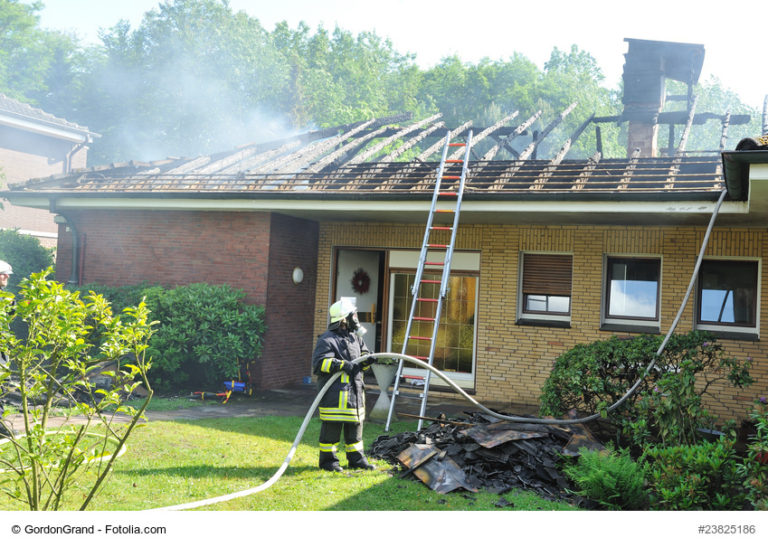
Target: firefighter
x: 342, y: 408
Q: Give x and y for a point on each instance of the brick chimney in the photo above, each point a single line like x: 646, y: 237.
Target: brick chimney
x: 647, y: 66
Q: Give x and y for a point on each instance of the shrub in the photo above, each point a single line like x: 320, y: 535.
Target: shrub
x: 754, y: 468
x: 206, y: 334
x: 611, y: 479
x: 667, y: 405
x: 703, y: 476
x: 25, y: 254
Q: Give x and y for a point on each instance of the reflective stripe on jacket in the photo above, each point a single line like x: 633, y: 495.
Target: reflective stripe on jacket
x: 345, y: 399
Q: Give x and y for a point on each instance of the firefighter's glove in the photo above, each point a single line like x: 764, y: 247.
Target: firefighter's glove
x: 349, y: 368
x: 366, y: 363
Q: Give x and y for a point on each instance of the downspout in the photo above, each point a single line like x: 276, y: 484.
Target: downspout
x: 74, y: 277
x: 74, y: 150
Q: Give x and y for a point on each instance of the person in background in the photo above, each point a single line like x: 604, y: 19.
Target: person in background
x: 342, y: 408
x: 5, y: 273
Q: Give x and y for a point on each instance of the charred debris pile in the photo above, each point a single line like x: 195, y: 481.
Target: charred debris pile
x: 481, y: 452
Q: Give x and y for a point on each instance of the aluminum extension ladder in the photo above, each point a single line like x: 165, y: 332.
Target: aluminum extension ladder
x: 439, y: 224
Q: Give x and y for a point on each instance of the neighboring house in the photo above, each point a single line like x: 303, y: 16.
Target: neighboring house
x: 35, y: 144
x: 550, y: 252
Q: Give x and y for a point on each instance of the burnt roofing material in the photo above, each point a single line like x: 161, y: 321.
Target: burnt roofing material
x: 634, y: 175
x: 350, y: 160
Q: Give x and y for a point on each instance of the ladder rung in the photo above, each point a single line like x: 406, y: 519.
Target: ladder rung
x: 453, y: 189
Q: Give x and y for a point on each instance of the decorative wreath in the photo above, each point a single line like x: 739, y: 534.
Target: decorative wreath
x: 360, y: 281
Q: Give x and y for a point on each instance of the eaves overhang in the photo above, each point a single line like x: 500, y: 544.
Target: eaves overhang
x: 650, y: 208
x: 62, y: 132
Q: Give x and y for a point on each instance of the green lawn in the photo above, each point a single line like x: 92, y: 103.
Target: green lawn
x: 170, y: 463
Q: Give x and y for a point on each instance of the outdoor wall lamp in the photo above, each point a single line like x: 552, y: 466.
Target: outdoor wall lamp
x: 298, y: 275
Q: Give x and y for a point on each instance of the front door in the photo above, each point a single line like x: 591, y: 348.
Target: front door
x: 358, y: 276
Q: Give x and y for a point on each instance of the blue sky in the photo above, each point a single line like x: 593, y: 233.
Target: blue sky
x: 432, y: 29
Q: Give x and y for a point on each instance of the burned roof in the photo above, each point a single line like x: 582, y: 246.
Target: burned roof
x: 396, y: 156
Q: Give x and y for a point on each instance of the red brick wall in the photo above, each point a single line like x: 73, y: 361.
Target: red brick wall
x: 170, y: 248
x: 24, y: 156
x: 288, y: 347
x: 255, y: 252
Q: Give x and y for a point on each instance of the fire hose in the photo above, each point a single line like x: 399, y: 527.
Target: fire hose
x: 516, y: 419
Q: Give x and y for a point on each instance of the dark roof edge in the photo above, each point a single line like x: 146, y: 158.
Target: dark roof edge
x: 736, y: 171
x: 616, y: 195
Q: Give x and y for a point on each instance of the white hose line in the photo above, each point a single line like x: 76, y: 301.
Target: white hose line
x: 555, y: 421
x: 517, y: 419
x: 274, y: 478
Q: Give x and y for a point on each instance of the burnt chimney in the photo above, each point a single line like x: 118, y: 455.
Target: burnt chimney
x: 647, y: 66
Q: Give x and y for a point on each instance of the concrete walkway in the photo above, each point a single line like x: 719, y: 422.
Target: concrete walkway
x: 292, y: 401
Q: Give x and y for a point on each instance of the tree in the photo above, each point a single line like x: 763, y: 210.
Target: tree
x: 61, y: 361
x: 36, y: 65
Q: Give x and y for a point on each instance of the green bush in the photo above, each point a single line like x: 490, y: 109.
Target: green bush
x: 703, y: 476
x: 25, y: 254
x: 205, y: 333
x: 613, y: 480
x: 667, y: 405
x: 754, y: 468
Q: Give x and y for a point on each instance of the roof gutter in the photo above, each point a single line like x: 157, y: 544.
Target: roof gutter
x: 42, y: 128
x: 736, y: 171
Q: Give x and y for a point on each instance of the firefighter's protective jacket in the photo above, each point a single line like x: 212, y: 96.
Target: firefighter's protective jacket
x: 345, y: 399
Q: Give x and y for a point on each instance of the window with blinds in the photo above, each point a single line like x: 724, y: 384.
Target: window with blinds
x: 546, y: 284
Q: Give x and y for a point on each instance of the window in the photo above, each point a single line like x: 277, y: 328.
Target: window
x: 632, y: 289
x: 454, y: 351
x: 546, y: 286
x: 727, y: 294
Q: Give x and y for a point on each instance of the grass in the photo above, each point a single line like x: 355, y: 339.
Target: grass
x: 169, y: 463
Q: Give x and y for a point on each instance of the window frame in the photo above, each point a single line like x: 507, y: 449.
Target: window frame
x: 544, y: 318
x: 630, y: 323
x: 467, y: 264
x: 725, y: 329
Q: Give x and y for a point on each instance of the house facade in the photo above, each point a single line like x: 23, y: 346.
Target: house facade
x: 35, y: 144
x: 550, y: 252
x: 534, y: 273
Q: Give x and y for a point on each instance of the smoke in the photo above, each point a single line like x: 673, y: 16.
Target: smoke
x: 178, y: 111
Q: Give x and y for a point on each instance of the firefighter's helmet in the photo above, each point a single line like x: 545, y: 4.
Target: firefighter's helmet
x: 5, y: 268
x: 341, y: 309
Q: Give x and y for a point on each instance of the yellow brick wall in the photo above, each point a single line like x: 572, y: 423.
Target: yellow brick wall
x: 513, y: 361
